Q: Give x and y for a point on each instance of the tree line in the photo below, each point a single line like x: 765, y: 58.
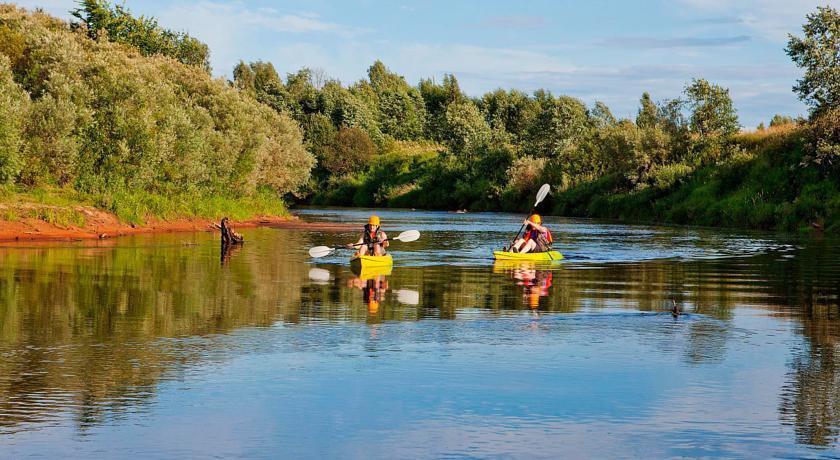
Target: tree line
x: 381, y: 140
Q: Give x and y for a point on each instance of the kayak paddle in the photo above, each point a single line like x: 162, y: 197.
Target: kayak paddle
x: 321, y: 251
x: 541, y: 194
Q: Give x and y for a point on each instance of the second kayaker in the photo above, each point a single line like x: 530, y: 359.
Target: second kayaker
x: 537, y: 237
x: 373, y: 240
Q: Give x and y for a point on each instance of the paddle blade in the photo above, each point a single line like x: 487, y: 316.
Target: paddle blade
x: 408, y: 296
x: 408, y: 236
x: 542, y: 194
x: 320, y: 251
x: 319, y: 275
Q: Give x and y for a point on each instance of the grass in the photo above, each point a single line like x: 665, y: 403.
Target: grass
x: 60, y: 206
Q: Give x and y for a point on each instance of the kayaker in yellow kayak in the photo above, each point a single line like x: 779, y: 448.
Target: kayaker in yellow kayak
x: 537, y: 238
x: 373, y: 239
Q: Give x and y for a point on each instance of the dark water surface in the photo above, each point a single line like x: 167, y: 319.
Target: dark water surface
x: 157, y: 347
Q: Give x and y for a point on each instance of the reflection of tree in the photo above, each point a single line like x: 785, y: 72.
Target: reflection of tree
x: 808, y: 290
x: 80, y: 326
x: 811, y: 395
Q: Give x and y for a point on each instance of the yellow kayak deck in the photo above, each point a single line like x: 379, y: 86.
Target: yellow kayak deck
x: 549, y: 256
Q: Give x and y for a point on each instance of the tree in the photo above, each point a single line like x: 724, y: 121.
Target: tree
x: 465, y: 129
x: 350, y: 151
x: 144, y: 33
x: 818, y: 52
x: 262, y: 81
x: 648, y: 115
x: 779, y: 120
x: 602, y: 116
x: 437, y: 98
x: 712, y: 113
x: 401, y: 109
x: 561, y: 122
x: 13, y: 103
x: 509, y: 111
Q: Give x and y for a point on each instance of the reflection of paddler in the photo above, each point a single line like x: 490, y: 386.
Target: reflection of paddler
x: 535, y: 283
x: 373, y: 290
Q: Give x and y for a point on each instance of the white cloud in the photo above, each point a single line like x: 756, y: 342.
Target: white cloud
x: 770, y: 19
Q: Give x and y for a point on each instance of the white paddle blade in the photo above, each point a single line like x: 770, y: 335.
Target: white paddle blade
x: 542, y: 194
x: 408, y: 296
x: 320, y: 251
x: 408, y: 236
x: 319, y: 275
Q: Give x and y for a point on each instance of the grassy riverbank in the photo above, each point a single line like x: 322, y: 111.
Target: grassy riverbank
x: 88, y: 122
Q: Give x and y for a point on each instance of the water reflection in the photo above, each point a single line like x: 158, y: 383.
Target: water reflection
x: 535, y: 279
x: 373, y: 282
x: 91, y: 333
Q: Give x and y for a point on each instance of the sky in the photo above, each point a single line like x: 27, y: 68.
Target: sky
x: 609, y: 51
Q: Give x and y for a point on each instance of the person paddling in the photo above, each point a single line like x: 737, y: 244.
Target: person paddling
x: 537, y: 237
x: 373, y: 239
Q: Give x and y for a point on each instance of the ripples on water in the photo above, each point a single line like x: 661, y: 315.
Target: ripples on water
x: 155, y: 346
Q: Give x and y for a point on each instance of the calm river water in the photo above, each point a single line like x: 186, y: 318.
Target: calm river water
x: 160, y: 347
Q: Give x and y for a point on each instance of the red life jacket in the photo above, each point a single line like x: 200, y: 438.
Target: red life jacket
x: 533, y: 234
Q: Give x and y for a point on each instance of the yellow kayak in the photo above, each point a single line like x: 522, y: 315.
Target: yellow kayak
x: 366, y: 273
x: 372, y: 261
x: 549, y: 256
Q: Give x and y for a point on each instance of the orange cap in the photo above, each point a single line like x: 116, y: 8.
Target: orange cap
x: 536, y: 219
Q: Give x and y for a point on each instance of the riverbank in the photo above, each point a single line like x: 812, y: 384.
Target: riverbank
x: 99, y: 224
x: 54, y: 214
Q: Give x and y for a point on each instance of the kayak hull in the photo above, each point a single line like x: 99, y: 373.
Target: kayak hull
x: 549, y: 256
x: 371, y: 261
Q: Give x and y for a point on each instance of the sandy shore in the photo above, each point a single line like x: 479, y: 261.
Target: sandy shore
x: 100, y: 225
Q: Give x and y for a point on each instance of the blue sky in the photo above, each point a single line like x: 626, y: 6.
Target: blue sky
x: 597, y: 50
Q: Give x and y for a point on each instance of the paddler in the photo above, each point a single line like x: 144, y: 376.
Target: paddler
x: 373, y: 239
x: 537, y: 238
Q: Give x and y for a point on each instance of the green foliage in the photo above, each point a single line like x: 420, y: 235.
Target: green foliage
x: 101, y: 19
x: 350, y: 151
x: 824, y: 150
x: 14, y: 104
x: 103, y: 119
x: 818, y: 52
x: 779, y: 120
x: 712, y: 113
x: 401, y: 109
x: 465, y: 130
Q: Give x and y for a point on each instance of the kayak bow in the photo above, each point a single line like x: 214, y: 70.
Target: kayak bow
x: 549, y: 256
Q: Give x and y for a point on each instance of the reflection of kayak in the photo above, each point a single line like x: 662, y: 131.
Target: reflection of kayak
x: 371, y: 261
x: 365, y: 272
x: 549, y: 256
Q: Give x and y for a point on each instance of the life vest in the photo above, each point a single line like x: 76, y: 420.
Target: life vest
x: 543, y: 240
x: 372, y: 238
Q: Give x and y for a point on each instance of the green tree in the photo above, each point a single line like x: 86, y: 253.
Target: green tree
x: 262, y: 81
x: 13, y: 108
x: 509, y: 111
x: 144, y: 33
x: 818, y: 52
x: 779, y: 120
x: 401, y: 109
x: 712, y: 112
x: 648, y: 115
x: 351, y: 150
x: 437, y: 98
x: 465, y: 128
x: 561, y: 122
x: 602, y: 116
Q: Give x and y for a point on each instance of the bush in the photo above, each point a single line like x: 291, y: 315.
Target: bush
x: 350, y: 151
x: 106, y: 119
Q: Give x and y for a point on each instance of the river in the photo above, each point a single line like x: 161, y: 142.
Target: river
x: 160, y: 346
